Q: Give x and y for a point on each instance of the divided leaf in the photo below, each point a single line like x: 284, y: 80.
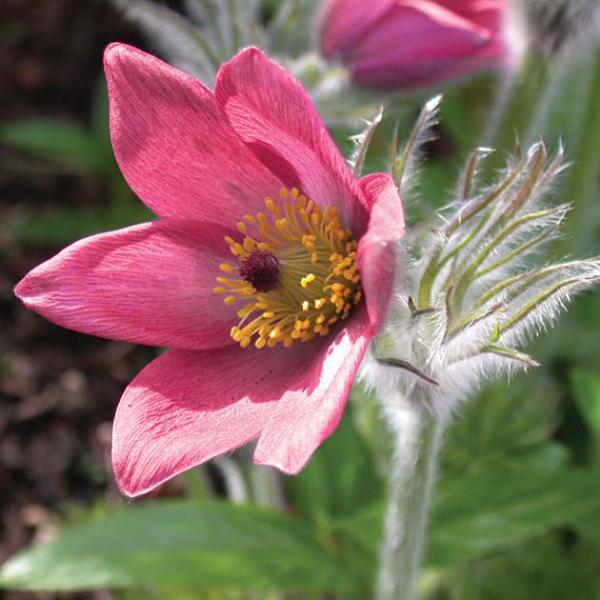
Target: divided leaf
x: 180, y: 545
x: 479, y: 515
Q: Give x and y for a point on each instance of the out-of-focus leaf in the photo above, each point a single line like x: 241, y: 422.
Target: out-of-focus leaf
x: 340, y: 479
x: 64, y: 226
x: 100, y: 126
x: 365, y: 528
x: 506, y: 430
x: 435, y: 181
x: 367, y: 420
x: 199, y: 546
x: 588, y: 527
x: 463, y: 110
x: 55, y: 140
x: 476, y: 515
x: 586, y: 391
x: 576, y: 337
x: 186, y: 44
x: 544, y: 568
x: 549, y: 456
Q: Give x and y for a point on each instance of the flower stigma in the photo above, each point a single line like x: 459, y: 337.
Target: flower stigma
x: 296, y: 272
x: 261, y: 270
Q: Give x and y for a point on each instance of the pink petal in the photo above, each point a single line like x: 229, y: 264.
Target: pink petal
x: 490, y: 14
x: 378, y: 247
x: 310, y: 412
x: 436, y: 44
x: 150, y: 284
x: 342, y: 23
x: 446, y: 15
x: 174, y: 144
x: 427, y: 30
x: 275, y: 116
x: 188, y: 406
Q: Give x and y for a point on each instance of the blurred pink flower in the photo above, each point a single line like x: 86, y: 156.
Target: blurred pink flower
x: 413, y: 43
x: 257, y: 290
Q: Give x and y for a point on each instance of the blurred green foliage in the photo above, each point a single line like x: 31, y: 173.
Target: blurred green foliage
x: 80, y: 151
x: 517, y: 508
x: 216, y: 546
x: 186, y: 546
x: 586, y: 394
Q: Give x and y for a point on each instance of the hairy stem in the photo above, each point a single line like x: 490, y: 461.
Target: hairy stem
x: 417, y: 437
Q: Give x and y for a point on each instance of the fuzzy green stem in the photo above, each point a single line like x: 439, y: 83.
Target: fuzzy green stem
x: 417, y: 436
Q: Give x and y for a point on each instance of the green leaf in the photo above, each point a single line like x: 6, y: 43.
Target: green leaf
x: 55, y: 140
x: 549, y: 456
x: 475, y: 516
x: 588, y: 527
x: 478, y: 515
x: 66, y: 225
x: 180, y: 545
x: 364, y: 527
x: 544, y: 568
x: 586, y: 390
x: 100, y: 124
x: 339, y: 480
x: 501, y: 431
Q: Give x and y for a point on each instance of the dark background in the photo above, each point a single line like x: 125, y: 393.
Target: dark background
x: 58, y: 389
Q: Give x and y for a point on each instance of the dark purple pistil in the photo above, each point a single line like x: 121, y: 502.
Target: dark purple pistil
x: 261, y: 270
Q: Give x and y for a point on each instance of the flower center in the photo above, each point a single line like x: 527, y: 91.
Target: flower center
x: 260, y: 270
x: 297, y: 273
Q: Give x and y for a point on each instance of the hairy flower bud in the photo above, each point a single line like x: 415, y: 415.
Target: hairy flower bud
x: 472, y: 293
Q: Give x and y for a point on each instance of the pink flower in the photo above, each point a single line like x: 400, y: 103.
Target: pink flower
x: 256, y: 289
x: 413, y: 43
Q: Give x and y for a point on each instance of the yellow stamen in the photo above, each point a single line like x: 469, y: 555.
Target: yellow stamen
x: 308, y: 279
x: 316, y: 277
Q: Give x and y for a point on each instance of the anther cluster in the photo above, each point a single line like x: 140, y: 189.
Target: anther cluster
x: 296, y: 272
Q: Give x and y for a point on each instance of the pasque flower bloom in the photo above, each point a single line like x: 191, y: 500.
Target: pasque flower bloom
x: 413, y: 43
x: 254, y: 274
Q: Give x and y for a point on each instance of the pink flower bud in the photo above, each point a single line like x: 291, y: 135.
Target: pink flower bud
x: 414, y: 43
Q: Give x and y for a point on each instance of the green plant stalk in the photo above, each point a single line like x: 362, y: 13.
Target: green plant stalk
x: 416, y: 435
x: 585, y: 170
